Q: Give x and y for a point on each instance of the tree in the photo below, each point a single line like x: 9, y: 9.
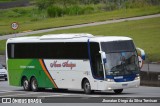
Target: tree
x: 43, y: 4
x: 67, y: 2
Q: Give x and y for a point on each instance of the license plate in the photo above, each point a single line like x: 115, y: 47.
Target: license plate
x: 124, y: 85
x: 1, y: 75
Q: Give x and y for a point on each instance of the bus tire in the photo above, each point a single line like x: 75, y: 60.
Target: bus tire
x: 34, y: 84
x: 87, y: 87
x: 25, y: 84
x: 118, y: 91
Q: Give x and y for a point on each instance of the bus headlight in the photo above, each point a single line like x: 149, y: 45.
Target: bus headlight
x: 137, y: 77
x: 109, y: 80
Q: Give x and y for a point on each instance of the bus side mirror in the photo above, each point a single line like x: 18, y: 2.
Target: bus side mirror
x: 103, y: 56
x: 141, y: 56
x: 141, y: 53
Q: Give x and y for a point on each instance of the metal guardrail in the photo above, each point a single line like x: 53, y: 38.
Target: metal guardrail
x: 159, y: 77
x: 150, y: 78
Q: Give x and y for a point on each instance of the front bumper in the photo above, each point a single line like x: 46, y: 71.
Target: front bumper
x: 120, y: 85
x: 2, y: 76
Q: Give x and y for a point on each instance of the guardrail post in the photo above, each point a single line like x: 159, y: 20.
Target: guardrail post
x: 158, y: 77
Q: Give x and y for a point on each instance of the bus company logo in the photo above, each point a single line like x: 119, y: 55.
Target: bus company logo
x: 67, y: 64
x: 55, y: 64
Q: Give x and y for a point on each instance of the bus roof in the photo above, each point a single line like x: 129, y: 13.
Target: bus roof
x: 82, y: 37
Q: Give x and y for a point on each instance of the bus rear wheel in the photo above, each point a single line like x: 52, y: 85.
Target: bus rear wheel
x: 34, y: 84
x: 25, y: 84
x: 87, y: 87
x: 118, y: 91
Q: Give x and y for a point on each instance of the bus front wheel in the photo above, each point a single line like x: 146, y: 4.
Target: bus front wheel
x: 25, y: 84
x: 34, y: 84
x: 118, y: 91
x: 87, y: 87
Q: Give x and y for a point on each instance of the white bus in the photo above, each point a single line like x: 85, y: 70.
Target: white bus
x: 73, y: 61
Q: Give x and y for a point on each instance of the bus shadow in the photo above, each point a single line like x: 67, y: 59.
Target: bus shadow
x: 81, y: 92
x: 3, y: 80
x: 65, y: 91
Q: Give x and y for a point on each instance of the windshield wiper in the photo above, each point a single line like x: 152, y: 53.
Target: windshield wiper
x: 117, y: 69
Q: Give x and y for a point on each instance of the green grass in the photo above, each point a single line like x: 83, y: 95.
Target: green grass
x: 29, y: 18
x: 145, y: 33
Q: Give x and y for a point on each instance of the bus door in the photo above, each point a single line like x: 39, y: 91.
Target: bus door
x: 98, y: 70
x: 100, y: 73
x: 98, y: 67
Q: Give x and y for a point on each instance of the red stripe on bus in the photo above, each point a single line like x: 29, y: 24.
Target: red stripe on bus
x: 47, y: 73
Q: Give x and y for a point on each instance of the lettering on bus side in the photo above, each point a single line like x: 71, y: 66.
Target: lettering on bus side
x: 55, y: 64
x: 28, y: 67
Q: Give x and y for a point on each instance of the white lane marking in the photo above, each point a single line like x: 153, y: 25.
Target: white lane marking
x: 62, y: 94
x: 25, y: 93
x: 45, y: 94
x: 55, y: 95
x: 71, y: 95
x: 8, y: 91
x: 4, y: 93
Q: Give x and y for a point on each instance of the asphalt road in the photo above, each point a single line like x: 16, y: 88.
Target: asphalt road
x: 71, y: 97
x: 10, y: 91
x: 78, y: 26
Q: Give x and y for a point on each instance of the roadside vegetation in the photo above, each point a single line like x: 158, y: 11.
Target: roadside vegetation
x: 44, y: 14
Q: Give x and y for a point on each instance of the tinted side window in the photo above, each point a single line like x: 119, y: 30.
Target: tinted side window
x: 49, y: 50
x: 94, y: 47
x: 10, y: 50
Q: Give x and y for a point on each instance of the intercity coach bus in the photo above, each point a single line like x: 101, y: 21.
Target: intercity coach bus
x: 73, y: 61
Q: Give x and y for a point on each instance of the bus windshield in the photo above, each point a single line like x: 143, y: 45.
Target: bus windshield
x: 121, y: 58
